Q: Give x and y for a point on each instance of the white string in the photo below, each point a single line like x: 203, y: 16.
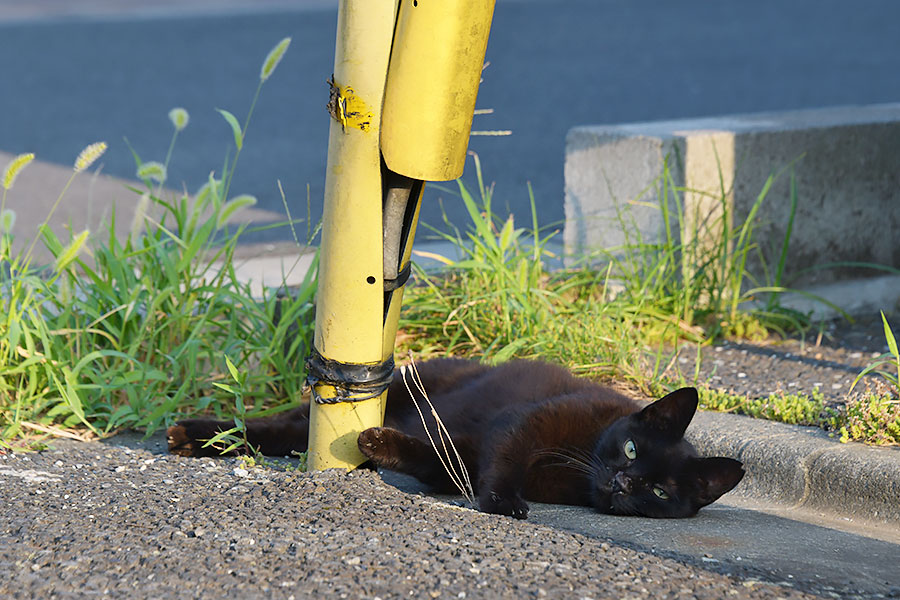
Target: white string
x: 467, y: 484
x: 462, y: 482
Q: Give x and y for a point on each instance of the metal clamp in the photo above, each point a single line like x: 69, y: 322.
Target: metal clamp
x: 392, y: 284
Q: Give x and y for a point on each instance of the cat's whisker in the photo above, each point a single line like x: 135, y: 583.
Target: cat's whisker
x: 571, y: 465
x: 590, y: 460
x: 599, y: 467
x: 569, y: 459
x: 586, y: 457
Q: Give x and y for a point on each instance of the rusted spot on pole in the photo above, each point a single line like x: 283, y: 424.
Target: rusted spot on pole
x: 347, y: 108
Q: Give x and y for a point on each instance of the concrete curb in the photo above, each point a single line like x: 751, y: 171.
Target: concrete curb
x: 843, y: 161
x: 801, y: 467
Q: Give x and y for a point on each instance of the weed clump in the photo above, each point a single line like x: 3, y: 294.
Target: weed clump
x: 131, y: 332
x: 618, y: 313
x: 873, y: 418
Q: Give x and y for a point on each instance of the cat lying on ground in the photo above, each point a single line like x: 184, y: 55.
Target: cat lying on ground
x: 525, y: 430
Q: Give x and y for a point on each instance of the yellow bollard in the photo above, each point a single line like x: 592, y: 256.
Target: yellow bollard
x: 371, y: 211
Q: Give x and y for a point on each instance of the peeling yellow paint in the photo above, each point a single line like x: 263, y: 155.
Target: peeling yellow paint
x: 347, y: 108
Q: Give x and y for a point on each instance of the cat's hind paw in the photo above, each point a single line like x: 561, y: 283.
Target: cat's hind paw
x: 186, y: 438
x: 496, y: 504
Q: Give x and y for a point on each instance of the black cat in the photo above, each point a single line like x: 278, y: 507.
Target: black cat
x: 525, y: 430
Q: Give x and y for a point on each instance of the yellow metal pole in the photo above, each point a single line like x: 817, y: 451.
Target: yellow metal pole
x: 404, y: 94
x: 349, y: 305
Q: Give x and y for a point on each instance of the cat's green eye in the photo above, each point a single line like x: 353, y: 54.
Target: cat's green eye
x: 630, y: 450
x: 660, y: 493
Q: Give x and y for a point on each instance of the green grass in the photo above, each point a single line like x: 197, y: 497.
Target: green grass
x: 872, y: 418
x: 615, y: 313
x: 795, y: 409
x: 890, y: 359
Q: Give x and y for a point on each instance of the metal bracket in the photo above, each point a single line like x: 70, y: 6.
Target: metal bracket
x: 392, y: 284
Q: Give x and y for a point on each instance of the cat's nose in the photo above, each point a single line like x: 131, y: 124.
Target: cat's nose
x: 622, y: 483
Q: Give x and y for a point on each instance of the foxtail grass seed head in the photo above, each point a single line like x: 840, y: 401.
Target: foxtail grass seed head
x: 89, y: 155
x: 14, y: 168
x: 274, y: 58
x: 232, y: 206
x: 209, y: 191
x: 152, y: 170
x: 7, y: 220
x: 71, y: 251
x: 179, y: 118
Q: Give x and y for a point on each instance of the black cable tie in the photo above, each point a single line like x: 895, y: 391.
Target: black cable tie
x: 392, y: 284
x: 351, y: 382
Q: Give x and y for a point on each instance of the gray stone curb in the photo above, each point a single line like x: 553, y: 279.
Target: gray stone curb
x: 802, y: 467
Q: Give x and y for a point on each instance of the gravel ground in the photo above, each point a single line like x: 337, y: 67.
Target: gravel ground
x: 85, y: 520
x: 829, y: 362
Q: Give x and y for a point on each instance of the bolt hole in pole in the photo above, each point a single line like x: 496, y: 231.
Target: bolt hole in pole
x: 370, y: 279
x: 415, y: 2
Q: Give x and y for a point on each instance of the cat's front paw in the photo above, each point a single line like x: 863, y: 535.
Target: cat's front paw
x: 186, y: 438
x: 511, y: 505
x: 376, y: 444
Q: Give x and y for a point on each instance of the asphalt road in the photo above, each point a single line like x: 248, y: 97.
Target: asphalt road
x: 554, y: 65
x: 84, y: 520
x: 124, y: 519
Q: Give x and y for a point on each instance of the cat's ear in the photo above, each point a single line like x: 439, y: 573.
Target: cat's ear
x: 714, y: 476
x: 672, y: 413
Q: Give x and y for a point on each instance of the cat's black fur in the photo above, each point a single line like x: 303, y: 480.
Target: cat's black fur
x: 525, y: 430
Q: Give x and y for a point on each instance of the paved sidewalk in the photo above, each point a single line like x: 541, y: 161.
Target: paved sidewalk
x: 809, y: 509
x: 87, y: 519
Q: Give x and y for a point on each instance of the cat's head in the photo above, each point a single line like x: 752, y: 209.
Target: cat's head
x: 643, y: 465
